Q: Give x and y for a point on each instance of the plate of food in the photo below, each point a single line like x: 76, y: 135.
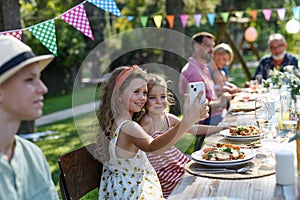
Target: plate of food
x: 223, y: 155
x: 243, y: 106
x: 241, y: 133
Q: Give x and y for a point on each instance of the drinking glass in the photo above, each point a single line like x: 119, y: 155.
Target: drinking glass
x: 287, y: 118
x: 259, y: 82
x: 269, y: 140
x: 261, y: 110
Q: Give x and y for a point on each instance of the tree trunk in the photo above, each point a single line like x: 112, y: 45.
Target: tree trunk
x: 170, y: 59
x: 9, y: 15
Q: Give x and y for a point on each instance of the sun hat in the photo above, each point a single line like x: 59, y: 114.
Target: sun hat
x: 15, y: 55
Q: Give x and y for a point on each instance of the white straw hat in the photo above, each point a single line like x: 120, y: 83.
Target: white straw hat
x: 14, y: 55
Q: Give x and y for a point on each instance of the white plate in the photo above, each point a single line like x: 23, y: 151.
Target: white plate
x: 226, y: 134
x: 197, y: 156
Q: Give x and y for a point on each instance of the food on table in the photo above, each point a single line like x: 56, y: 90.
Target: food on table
x: 223, y: 152
x: 249, y: 130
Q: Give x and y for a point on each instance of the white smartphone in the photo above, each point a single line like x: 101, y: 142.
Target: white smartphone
x: 194, y: 88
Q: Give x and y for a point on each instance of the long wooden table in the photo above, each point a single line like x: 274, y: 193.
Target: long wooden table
x: 262, y: 188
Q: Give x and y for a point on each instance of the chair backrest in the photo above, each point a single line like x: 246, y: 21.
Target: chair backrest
x: 80, y: 172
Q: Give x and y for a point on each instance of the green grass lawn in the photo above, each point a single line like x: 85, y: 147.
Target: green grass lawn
x: 61, y: 102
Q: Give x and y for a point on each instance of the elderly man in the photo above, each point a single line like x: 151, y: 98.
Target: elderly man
x: 197, y: 70
x: 278, y: 59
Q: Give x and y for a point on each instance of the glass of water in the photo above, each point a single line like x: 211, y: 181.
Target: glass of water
x: 269, y: 140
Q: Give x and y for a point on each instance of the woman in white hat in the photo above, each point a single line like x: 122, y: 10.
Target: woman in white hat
x: 24, y: 172
x: 222, y: 56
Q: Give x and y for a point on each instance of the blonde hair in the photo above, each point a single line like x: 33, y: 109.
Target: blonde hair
x: 222, y: 49
x: 110, y: 107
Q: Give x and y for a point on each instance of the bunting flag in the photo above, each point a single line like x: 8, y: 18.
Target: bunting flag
x: 197, y: 18
x: 16, y: 33
x: 224, y: 16
x: 211, y: 18
x: 170, y: 19
x: 45, y: 33
x: 130, y: 18
x: 184, y: 18
x: 239, y: 14
x: 157, y: 20
x: 107, y: 5
x: 144, y: 20
x: 296, y: 12
x: 267, y: 13
x: 281, y: 13
x: 77, y: 18
x: 253, y: 14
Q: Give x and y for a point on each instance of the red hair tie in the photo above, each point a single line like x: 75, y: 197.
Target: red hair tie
x: 124, y: 75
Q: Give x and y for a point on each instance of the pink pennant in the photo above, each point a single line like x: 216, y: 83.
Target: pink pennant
x: 77, y: 17
x: 16, y: 33
x: 183, y: 19
x: 281, y: 13
x: 267, y: 13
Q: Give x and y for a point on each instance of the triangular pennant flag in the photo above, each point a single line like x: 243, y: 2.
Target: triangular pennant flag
x: 253, y: 14
x: 197, y: 18
x: 107, y: 5
x: 157, y: 20
x: 239, y: 14
x: 77, y: 17
x: 296, y: 12
x: 171, y: 19
x: 211, y: 18
x: 267, y: 13
x: 45, y: 33
x: 184, y: 18
x: 16, y: 33
x: 281, y: 13
x: 144, y: 20
x: 130, y: 18
x: 225, y: 16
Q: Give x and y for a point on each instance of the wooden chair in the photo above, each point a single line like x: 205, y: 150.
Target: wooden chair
x: 80, y: 172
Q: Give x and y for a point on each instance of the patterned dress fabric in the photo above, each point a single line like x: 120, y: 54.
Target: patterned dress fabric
x: 169, y: 166
x: 129, y: 179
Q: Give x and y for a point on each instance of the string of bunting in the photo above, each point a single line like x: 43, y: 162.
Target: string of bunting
x: 45, y: 31
x: 76, y: 16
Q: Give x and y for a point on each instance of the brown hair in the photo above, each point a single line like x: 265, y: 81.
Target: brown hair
x: 198, y: 37
x: 110, y: 107
x: 156, y: 79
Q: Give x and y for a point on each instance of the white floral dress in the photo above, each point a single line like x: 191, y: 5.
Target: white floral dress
x: 132, y: 178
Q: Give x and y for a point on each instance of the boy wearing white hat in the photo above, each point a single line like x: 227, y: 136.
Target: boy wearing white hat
x: 24, y: 172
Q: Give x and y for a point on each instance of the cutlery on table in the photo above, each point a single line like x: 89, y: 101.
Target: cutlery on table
x: 224, y: 170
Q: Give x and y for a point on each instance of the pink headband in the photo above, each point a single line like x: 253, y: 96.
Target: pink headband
x: 124, y: 75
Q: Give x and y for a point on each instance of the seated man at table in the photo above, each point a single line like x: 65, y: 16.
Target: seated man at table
x: 278, y: 59
x: 196, y: 70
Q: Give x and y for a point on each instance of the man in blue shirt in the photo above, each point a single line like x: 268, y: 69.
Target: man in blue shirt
x: 278, y: 59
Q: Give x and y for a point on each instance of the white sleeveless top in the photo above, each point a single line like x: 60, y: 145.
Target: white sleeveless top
x: 132, y: 178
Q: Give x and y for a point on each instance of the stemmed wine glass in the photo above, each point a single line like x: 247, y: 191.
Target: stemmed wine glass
x: 259, y: 82
x: 261, y: 111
